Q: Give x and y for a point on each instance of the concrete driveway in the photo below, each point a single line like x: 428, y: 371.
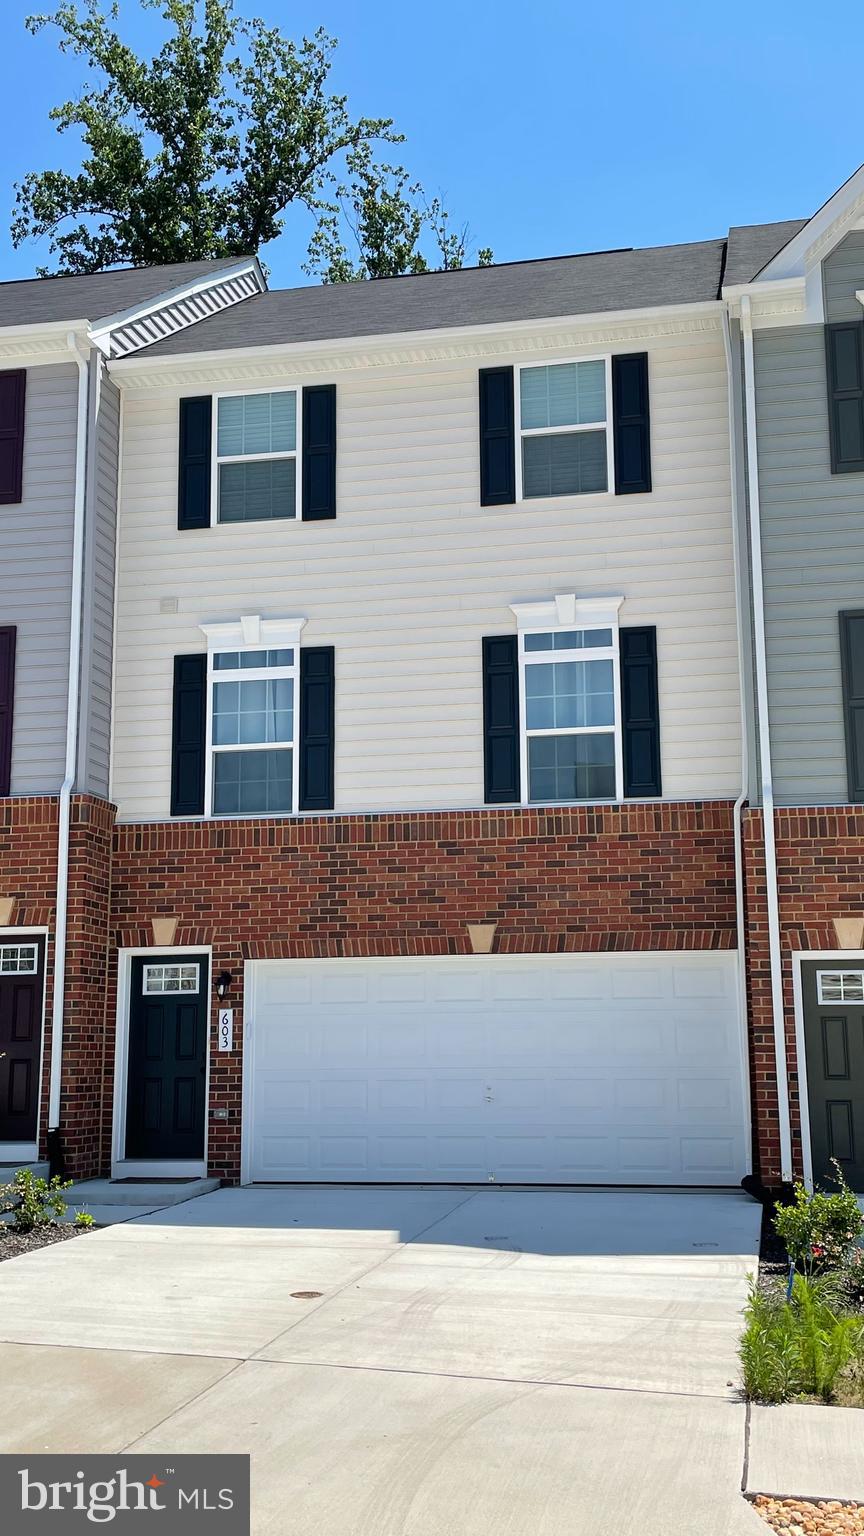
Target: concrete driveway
x: 530, y: 1363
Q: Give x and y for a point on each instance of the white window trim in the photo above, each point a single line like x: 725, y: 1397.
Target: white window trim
x: 588, y: 426
x: 19, y: 945
x: 249, y: 458
x: 838, y: 1002
x: 163, y: 991
x: 566, y: 611
x: 252, y: 633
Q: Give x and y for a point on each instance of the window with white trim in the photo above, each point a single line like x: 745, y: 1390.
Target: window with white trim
x: 841, y: 986
x: 569, y: 687
x: 159, y: 979
x: 256, y: 451
x: 565, y: 435
x: 252, y: 724
x: 19, y: 959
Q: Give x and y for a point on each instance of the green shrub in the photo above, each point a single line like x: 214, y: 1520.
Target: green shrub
x: 821, y: 1230
x: 83, y: 1219
x: 798, y: 1348
x: 33, y: 1201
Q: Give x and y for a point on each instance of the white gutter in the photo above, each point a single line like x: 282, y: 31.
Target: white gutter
x: 771, y: 894
x: 82, y: 361
x: 741, y: 610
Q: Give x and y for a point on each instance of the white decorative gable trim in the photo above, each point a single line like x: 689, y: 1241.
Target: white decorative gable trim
x: 129, y: 330
x: 251, y: 629
x: 821, y: 233
x: 567, y: 611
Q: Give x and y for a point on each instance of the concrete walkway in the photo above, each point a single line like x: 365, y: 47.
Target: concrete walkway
x: 477, y: 1361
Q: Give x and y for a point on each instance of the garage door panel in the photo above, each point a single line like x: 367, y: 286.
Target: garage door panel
x: 527, y: 1069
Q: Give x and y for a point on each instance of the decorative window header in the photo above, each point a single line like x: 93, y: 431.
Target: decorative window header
x: 566, y: 610
x: 252, y: 630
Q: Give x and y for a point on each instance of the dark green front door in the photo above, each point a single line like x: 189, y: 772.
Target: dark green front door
x: 834, y: 1039
x: 167, y: 1078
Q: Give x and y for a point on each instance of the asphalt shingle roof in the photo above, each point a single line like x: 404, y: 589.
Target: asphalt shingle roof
x: 751, y: 247
x: 523, y: 290
x: 97, y: 295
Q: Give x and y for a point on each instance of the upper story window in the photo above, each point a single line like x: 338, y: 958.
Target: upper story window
x: 570, y: 700
x: 566, y: 440
x: 252, y: 719
x: 256, y: 447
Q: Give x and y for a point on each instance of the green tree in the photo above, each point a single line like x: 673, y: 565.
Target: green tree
x: 199, y: 151
x: 386, y: 220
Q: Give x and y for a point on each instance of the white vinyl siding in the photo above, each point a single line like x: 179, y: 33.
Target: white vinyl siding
x: 414, y: 572
x: 35, y: 578
x: 99, y: 558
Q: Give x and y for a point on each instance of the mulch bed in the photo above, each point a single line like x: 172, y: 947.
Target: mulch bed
x: 13, y: 1244
x: 800, y: 1517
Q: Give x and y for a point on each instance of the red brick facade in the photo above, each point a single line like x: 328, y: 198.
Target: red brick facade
x: 637, y: 877
x: 586, y: 878
x: 820, y: 876
x: 28, y: 875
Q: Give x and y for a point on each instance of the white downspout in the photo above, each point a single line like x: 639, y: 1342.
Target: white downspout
x: 75, y: 624
x: 774, y: 946
x: 741, y: 610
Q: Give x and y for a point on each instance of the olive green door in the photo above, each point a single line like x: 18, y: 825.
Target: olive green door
x: 834, y: 1039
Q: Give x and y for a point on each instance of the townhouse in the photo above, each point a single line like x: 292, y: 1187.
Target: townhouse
x: 447, y: 694
x: 801, y: 326
x: 59, y: 448
x: 426, y: 641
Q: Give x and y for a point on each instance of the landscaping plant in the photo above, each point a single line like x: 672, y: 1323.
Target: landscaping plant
x: 821, y: 1231
x: 33, y: 1201
x: 802, y: 1347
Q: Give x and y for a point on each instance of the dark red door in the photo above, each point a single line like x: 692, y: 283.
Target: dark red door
x: 22, y: 969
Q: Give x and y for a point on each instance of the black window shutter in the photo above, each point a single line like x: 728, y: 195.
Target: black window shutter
x: 844, y: 358
x: 188, y: 735
x: 317, y: 727
x: 852, y: 664
x: 196, y: 426
x: 13, y: 387
x: 319, y: 452
x: 640, y: 710
x: 497, y: 438
x: 501, y: 718
x: 631, y: 422
x: 7, y: 699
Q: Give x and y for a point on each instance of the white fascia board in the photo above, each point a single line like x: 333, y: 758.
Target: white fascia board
x: 566, y: 610
x: 105, y: 324
x: 783, y: 301
x: 827, y: 226
x: 709, y: 309
x: 251, y: 629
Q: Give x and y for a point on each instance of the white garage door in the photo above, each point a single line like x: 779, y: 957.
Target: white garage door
x: 523, y: 1069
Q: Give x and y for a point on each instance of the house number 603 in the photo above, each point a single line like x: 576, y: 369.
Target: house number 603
x: 226, y: 1029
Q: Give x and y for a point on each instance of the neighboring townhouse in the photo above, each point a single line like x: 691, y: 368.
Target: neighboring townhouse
x: 59, y: 448
x: 801, y: 325
x: 427, y: 746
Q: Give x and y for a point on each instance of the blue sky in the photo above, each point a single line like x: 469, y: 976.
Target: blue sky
x: 552, y: 127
